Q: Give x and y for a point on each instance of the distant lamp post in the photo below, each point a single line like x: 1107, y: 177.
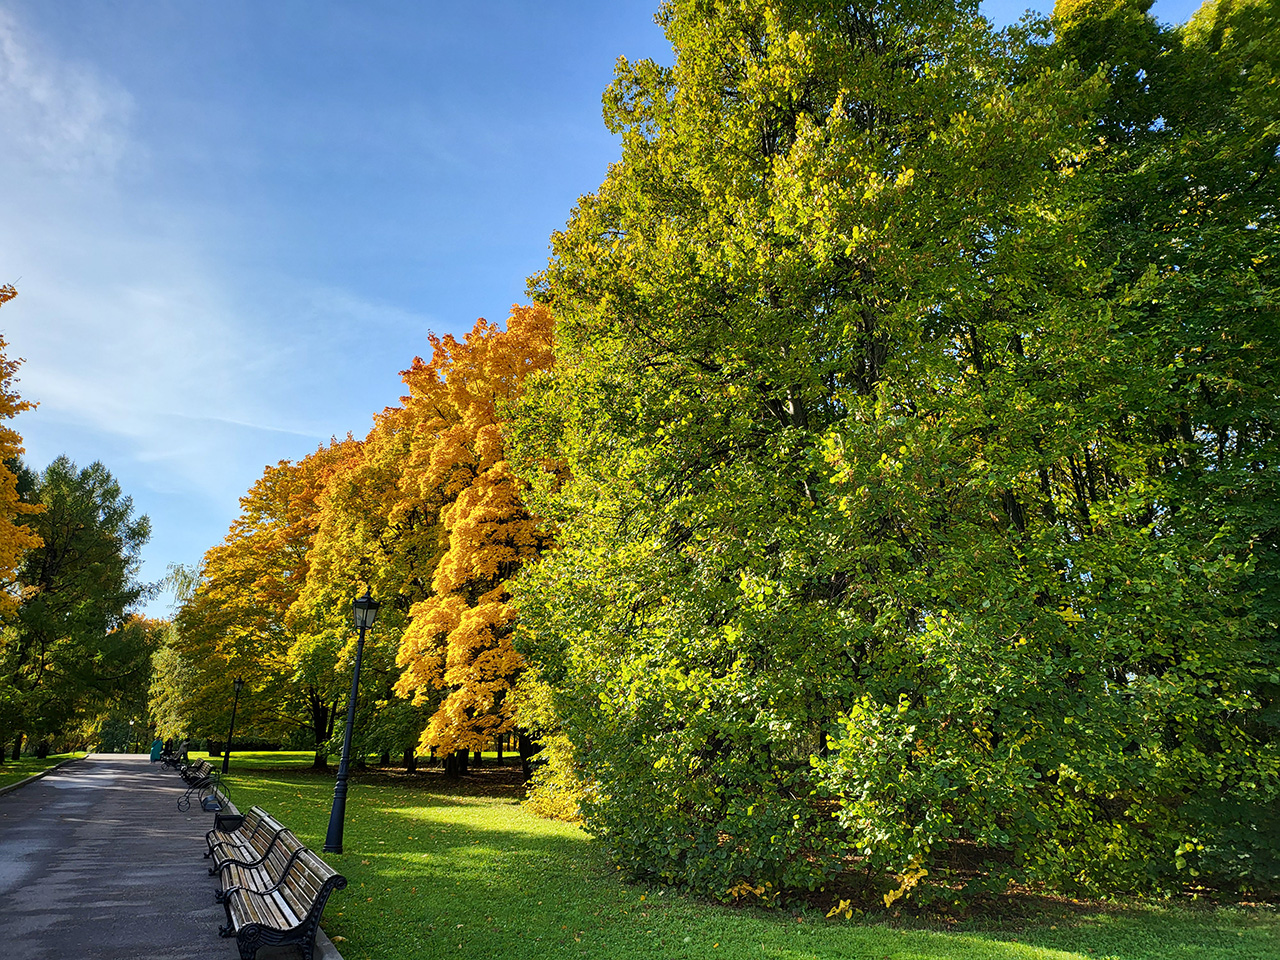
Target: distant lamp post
x: 226, y: 754
x: 365, y: 612
x: 131, y: 737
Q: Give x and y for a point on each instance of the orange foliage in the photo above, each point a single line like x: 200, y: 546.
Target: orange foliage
x: 459, y: 639
x: 15, y: 538
x: 258, y: 571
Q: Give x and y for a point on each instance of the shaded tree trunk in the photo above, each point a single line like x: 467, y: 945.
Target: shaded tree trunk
x: 455, y: 764
x: 321, y: 729
x: 410, y: 761
x: 529, y: 748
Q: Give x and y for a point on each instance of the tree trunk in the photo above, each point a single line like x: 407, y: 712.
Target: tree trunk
x: 321, y: 722
x: 529, y: 747
x: 384, y: 760
x: 500, y: 740
x: 455, y: 764
x: 410, y: 761
x: 17, y: 746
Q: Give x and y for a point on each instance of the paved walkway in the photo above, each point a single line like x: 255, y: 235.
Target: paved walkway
x: 97, y: 862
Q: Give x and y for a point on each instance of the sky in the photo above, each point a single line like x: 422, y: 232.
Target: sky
x: 232, y: 225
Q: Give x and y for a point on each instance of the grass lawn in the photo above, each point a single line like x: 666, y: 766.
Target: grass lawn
x: 461, y: 870
x: 11, y: 771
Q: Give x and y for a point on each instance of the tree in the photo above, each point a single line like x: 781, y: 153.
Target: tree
x: 1185, y: 208
x: 74, y: 647
x: 875, y: 540
x: 459, y: 639
x: 15, y: 538
x: 235, y: 623
x: 376, y: 531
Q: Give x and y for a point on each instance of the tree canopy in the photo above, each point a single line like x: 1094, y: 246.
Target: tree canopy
x: 16, y: 537
x: 913, y: 436
x: 235, y: 621
x: 424, y: 513
x: 460, y: 638
x: 74, y: 646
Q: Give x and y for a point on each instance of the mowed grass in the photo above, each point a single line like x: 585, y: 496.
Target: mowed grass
x: 461, y: 870
x: 11, y: 771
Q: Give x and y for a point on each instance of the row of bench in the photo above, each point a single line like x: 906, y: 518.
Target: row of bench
x: 202, y: 781
x: 272, y: 886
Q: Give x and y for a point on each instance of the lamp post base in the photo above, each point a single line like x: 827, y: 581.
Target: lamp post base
x: 333, y: 839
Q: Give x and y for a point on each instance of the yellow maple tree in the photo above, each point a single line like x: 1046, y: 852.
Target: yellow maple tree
x: 459, y: 639
x: 15, y: 538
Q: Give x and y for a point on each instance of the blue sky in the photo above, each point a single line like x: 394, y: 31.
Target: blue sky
x: 232, y: 224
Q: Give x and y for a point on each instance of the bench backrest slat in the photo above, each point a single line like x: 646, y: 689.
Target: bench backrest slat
x: 264, y: 838
x: 309, y: 882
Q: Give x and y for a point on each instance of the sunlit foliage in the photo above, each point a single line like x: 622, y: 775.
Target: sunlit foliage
x: 459, y: 639
x: 913, y: 419
x: 235, y: 623
x: 16, y: 537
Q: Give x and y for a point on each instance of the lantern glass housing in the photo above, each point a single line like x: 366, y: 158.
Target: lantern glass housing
x: 239, y: 685
x: 365, y: 611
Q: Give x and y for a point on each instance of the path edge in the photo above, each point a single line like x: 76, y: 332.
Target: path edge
x: 43, y: 773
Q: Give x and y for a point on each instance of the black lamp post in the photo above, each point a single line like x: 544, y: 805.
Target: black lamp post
x: 226, y: 754
x: 131, y: 737
x: 365, y: 611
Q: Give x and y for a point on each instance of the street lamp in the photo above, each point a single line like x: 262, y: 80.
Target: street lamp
x: 365, y: 611
x: 135, y: 746
x: 226, y: 754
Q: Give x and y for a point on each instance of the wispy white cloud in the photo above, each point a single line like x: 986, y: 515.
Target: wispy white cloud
x: 62, y: 116
x: 140, y: 346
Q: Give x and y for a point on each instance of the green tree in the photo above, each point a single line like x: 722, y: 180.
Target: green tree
x: 375, y: 531
x: 74, y: 648
x: 169, y: 695
x: 874, y: 537
x: 1185, y: 210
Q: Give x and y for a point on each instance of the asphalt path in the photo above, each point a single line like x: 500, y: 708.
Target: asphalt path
x: 96, y: 861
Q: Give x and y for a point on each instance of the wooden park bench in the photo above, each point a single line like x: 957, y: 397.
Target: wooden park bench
x: 202, y: 780
x: 192, y: 772
x: 285, y: 912
x: 232, y: 830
